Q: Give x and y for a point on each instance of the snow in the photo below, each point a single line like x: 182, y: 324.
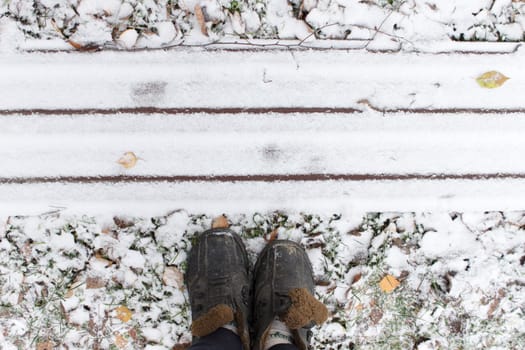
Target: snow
x: 460, y: 265
x: 200, y: 79
x: 404, y: 244
x: 408, y: 23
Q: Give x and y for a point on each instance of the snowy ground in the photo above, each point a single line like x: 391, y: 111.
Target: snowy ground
x: 78, y: 282
x: 373, y: 24
x: 402, y: 134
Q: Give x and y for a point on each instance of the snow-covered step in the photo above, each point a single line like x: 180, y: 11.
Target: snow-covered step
x: 145, y: 199
x: 231, y: 162
x: 197, y: 79
x: 342, y: 146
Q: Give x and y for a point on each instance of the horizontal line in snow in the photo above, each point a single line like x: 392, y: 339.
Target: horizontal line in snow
x: 182, y: 110
x: 257, y: 178
x: 255, y: 110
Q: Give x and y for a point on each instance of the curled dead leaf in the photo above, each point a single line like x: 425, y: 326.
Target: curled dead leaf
x: 75, y: 44
x: 128, y: 160
x: 491, y: 80
x: 356, y: 277
x: 123, y: 313
x: 173, y: 277
x: 388, y: 283
x: 272, y: 236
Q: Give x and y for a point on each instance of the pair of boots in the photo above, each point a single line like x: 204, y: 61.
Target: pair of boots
x: 223, y: 293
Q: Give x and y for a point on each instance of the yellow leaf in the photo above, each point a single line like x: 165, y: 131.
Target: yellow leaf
x: 388, y: 283
x: 128, y: 160
x: 120, y: 341
x: 491, y: 80
x: 123, y: 313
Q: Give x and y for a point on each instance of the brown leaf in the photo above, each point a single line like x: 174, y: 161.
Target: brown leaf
x: 199, y: 14
x: 173, y: 277
x: 376, y: 315
x: 133, y: 334
x: 356, y: 232
x: 313, y: 243
x: 95, y: 283
x: 403, y: 276
x: 356, y: 277
x: 77, y: 282
x: 220, y: 222
x: 75, y: 44
x: 103, y: 260
x: 84, y: 48
x: 181, y: 346
x: 272, y: 236
x: 322, y: 282
x: 47, y: 345
x: 122, y: 222
x: 495, y: 304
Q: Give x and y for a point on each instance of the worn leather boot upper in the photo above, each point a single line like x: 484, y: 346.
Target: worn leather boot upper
x: 218, y: 280
x: 284, y: 288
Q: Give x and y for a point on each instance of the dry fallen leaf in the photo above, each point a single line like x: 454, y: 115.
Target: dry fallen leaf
x: 76, y: 284
x: 376, y: 315
x: 495, y: 304
x: 75, y: 44
x: 123, y: 313
x: 120, y: 341
x: 47, y: 345
x: 199, y: 14
x: 491, y: 80
x: 95, y: 283
x: 220, y: 222
x: 173, y: 277
x: 388, y: 283
x: 128, y: 160
x: 100, y: 258
x: 272, y: 236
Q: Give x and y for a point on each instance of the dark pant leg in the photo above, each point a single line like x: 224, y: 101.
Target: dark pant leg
x: 284, y: 347
x: 221, y: 339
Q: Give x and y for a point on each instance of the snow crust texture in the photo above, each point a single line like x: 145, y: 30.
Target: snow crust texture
x: 129, y: 24
x: 78, y: 282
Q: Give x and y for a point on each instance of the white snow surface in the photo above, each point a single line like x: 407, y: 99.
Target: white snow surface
x: 199, y: 78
